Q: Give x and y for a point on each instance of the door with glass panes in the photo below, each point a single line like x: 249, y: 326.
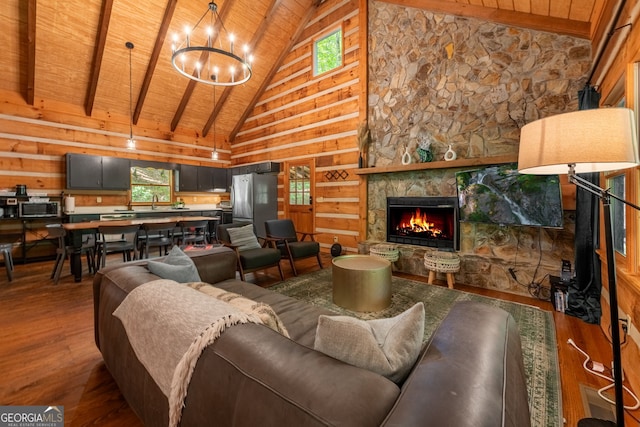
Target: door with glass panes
x: 299, y: 198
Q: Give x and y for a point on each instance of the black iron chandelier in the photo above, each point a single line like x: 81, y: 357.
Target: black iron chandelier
x: 200, y: 56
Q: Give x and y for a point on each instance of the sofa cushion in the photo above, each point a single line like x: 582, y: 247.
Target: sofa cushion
x: 243, y: 237
x: 176, y: 266
x: 388, y: 347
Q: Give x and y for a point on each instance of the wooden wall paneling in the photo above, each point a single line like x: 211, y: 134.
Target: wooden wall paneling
x: 349, y: 189
x: 13, y: 22
x: 324, y: 172
x: 52, y: 184
x: 310, y: 11
x: 329, y: 14
x: 305, y: 149
x: 31, y: 52
x: 58, y: 73
x: 552, y: 23
x: 333, y: 207
x: 596, y: 18
x: 36, y: 163
x: 301, y: 116
x: 363, y: 55
x: 299, y: 107
x: 310, y: 117
x: 314, y: 131
x: 308, y: 89
x: 346, y: 161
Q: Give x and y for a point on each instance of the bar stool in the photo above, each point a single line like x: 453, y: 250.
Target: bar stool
x: 63, y: 250
x: 5, y: 249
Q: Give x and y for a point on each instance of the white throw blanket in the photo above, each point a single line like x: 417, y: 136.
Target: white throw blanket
x: 169, y: 325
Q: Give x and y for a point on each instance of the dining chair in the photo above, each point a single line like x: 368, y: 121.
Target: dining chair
x: 63, y: 250
x: 156, y: 235
x: 193, y: 232
x: 5, y: 250
x: 283, y: 235
x: 117, y: 238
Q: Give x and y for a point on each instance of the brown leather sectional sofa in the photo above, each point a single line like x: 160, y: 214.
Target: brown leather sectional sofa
x: 470, y: 373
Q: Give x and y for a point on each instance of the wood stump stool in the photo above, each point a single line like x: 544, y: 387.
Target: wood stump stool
x: 442, y: 262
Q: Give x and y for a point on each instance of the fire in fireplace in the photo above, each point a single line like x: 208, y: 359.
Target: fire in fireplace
x: 423, y: 221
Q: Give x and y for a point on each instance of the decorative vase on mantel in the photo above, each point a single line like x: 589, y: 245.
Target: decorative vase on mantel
x: 424, y: 151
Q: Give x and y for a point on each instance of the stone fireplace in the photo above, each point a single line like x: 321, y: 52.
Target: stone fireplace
x: 423, y: 221
x: 487, y: 252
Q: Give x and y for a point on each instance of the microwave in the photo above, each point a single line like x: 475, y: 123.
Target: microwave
x: 39, y: 209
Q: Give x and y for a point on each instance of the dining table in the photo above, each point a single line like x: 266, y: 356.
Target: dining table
x: 76, y: 230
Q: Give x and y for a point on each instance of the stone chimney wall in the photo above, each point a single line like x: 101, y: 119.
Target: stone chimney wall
x: 471, y: 85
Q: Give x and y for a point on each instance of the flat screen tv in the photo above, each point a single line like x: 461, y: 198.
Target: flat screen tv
x: 501, y: 195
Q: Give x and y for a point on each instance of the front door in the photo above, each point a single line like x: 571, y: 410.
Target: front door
x: 299, y: 197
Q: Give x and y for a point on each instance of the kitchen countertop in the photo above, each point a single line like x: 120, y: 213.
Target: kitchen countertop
x: 143, y: 209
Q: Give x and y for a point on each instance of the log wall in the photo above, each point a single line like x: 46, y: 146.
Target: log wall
x: 624, y: 72
x: 302, y: 117
x: 34, y: 141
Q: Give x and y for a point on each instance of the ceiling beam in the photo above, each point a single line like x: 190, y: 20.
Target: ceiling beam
x: 98, y: 52
x: 274, y: 69
x: 192, y: 83
x: 155, y: 55
x: 257, y: 36
x: 31, y: 52
x: 508, y: 17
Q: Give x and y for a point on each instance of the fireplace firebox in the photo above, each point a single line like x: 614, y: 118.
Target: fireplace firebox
x: 424, y: 221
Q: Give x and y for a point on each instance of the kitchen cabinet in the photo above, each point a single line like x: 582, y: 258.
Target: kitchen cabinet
x: 85, y: 172
x: 201, y: 178
x: 264, y: 167
x: 220, y: 181
x: 205, y: 178
x: 116, y: 173
x: 188, y: 178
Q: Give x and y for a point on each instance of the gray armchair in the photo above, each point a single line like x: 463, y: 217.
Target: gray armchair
x: 283, y: 234
x: 251, y: 255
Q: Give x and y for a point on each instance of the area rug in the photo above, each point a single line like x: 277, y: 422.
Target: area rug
x: 536, y: 326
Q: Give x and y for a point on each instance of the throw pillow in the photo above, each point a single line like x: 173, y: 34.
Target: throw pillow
x: 243, y: 237
x: 389, y: 347
x: 176, y: 266
x: 263, y: 311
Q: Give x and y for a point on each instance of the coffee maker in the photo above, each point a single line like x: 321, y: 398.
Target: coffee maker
x: 9, y: 208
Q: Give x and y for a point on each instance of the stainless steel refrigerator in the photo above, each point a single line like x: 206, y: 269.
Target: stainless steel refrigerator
x: 255, y: 199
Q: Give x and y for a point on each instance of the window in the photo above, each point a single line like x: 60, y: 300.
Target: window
x: 149, y: 182
x: 618, y: 216
x: 327, y: 52
x: 299, y: 185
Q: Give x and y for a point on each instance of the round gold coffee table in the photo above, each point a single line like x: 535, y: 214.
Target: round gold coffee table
x: 361, y: 282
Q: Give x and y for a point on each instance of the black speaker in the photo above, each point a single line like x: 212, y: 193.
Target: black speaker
x: 336, y: 249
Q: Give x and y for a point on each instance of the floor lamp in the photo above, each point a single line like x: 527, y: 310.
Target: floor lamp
x: 587, y: 141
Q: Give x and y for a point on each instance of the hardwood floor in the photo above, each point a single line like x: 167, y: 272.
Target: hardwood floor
x: 48, y: 355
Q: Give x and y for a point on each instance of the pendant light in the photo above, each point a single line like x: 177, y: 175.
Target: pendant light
x: 214, y: 153
x: 131, y: 143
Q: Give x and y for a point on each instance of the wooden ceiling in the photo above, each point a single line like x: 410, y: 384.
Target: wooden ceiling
x: 72, y: 52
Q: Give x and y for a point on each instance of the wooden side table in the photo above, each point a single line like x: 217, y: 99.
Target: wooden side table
x: 361, y: 282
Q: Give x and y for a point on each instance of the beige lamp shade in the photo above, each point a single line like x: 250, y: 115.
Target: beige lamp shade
x: 595, y: 140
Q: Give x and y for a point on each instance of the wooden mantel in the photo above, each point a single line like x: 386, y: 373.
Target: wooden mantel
x: 458, y: 163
